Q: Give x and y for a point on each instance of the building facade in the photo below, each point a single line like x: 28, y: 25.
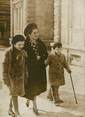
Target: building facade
x: 58, y: 20
x: 69, y: 24
x: 4, y: 21
x: 27, y: 11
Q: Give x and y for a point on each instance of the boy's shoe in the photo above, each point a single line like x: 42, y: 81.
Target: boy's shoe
x: 58, y: 101
x: 61, y: 101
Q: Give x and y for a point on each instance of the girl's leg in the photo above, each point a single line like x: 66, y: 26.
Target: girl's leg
x: 10, y: 112
x: 15, y: 103
x: 35, y: 106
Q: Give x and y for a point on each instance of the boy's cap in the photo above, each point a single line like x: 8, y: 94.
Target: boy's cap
x: 57, y: 44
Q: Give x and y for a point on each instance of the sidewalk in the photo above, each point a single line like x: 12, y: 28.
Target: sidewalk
x: 46, y: 107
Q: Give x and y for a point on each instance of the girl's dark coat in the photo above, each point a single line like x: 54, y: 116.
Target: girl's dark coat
x: 14, y: 72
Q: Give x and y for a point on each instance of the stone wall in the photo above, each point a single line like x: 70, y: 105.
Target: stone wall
x: 38, y: 11
x: 69, y: 24
x: 44, y: 17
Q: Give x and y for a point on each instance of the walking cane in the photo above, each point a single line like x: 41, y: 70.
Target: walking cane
x: 73, y: 89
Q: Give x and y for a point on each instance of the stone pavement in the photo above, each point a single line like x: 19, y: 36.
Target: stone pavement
x: 46, y: 107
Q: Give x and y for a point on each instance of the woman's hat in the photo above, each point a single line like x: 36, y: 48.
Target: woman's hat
x: 28, y: 29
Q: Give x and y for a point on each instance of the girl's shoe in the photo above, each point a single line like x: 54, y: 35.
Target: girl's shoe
x: 35, y: 111
x: 50, y: 98
x: 11, y: 113
x: 17, y: 115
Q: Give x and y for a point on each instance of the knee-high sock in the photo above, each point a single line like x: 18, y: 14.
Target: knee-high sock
x: 55, y: 92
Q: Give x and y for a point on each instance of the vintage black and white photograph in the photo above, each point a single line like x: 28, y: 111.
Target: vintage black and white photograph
x: 42, y: 58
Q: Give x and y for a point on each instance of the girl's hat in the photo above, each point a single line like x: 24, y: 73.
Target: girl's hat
x: 57, y: 44
x: 17, y: 38
x: 28, y: 29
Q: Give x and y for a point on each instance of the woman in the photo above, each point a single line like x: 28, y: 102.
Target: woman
x: 37, y: 54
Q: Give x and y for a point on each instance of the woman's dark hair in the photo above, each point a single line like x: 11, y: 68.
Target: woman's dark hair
x: 57, y: 44
x: 17, y: 38
x: 29, y: 28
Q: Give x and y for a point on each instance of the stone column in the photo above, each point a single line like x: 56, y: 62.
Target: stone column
x: 11, y: 19
x: 57, y: 20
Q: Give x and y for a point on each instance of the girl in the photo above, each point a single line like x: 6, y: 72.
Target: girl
x: 14, y: 72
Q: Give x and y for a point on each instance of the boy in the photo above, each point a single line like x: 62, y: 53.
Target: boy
x: 57, y: 62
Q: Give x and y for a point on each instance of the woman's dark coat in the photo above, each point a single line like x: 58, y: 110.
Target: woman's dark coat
x: 37, y: 82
